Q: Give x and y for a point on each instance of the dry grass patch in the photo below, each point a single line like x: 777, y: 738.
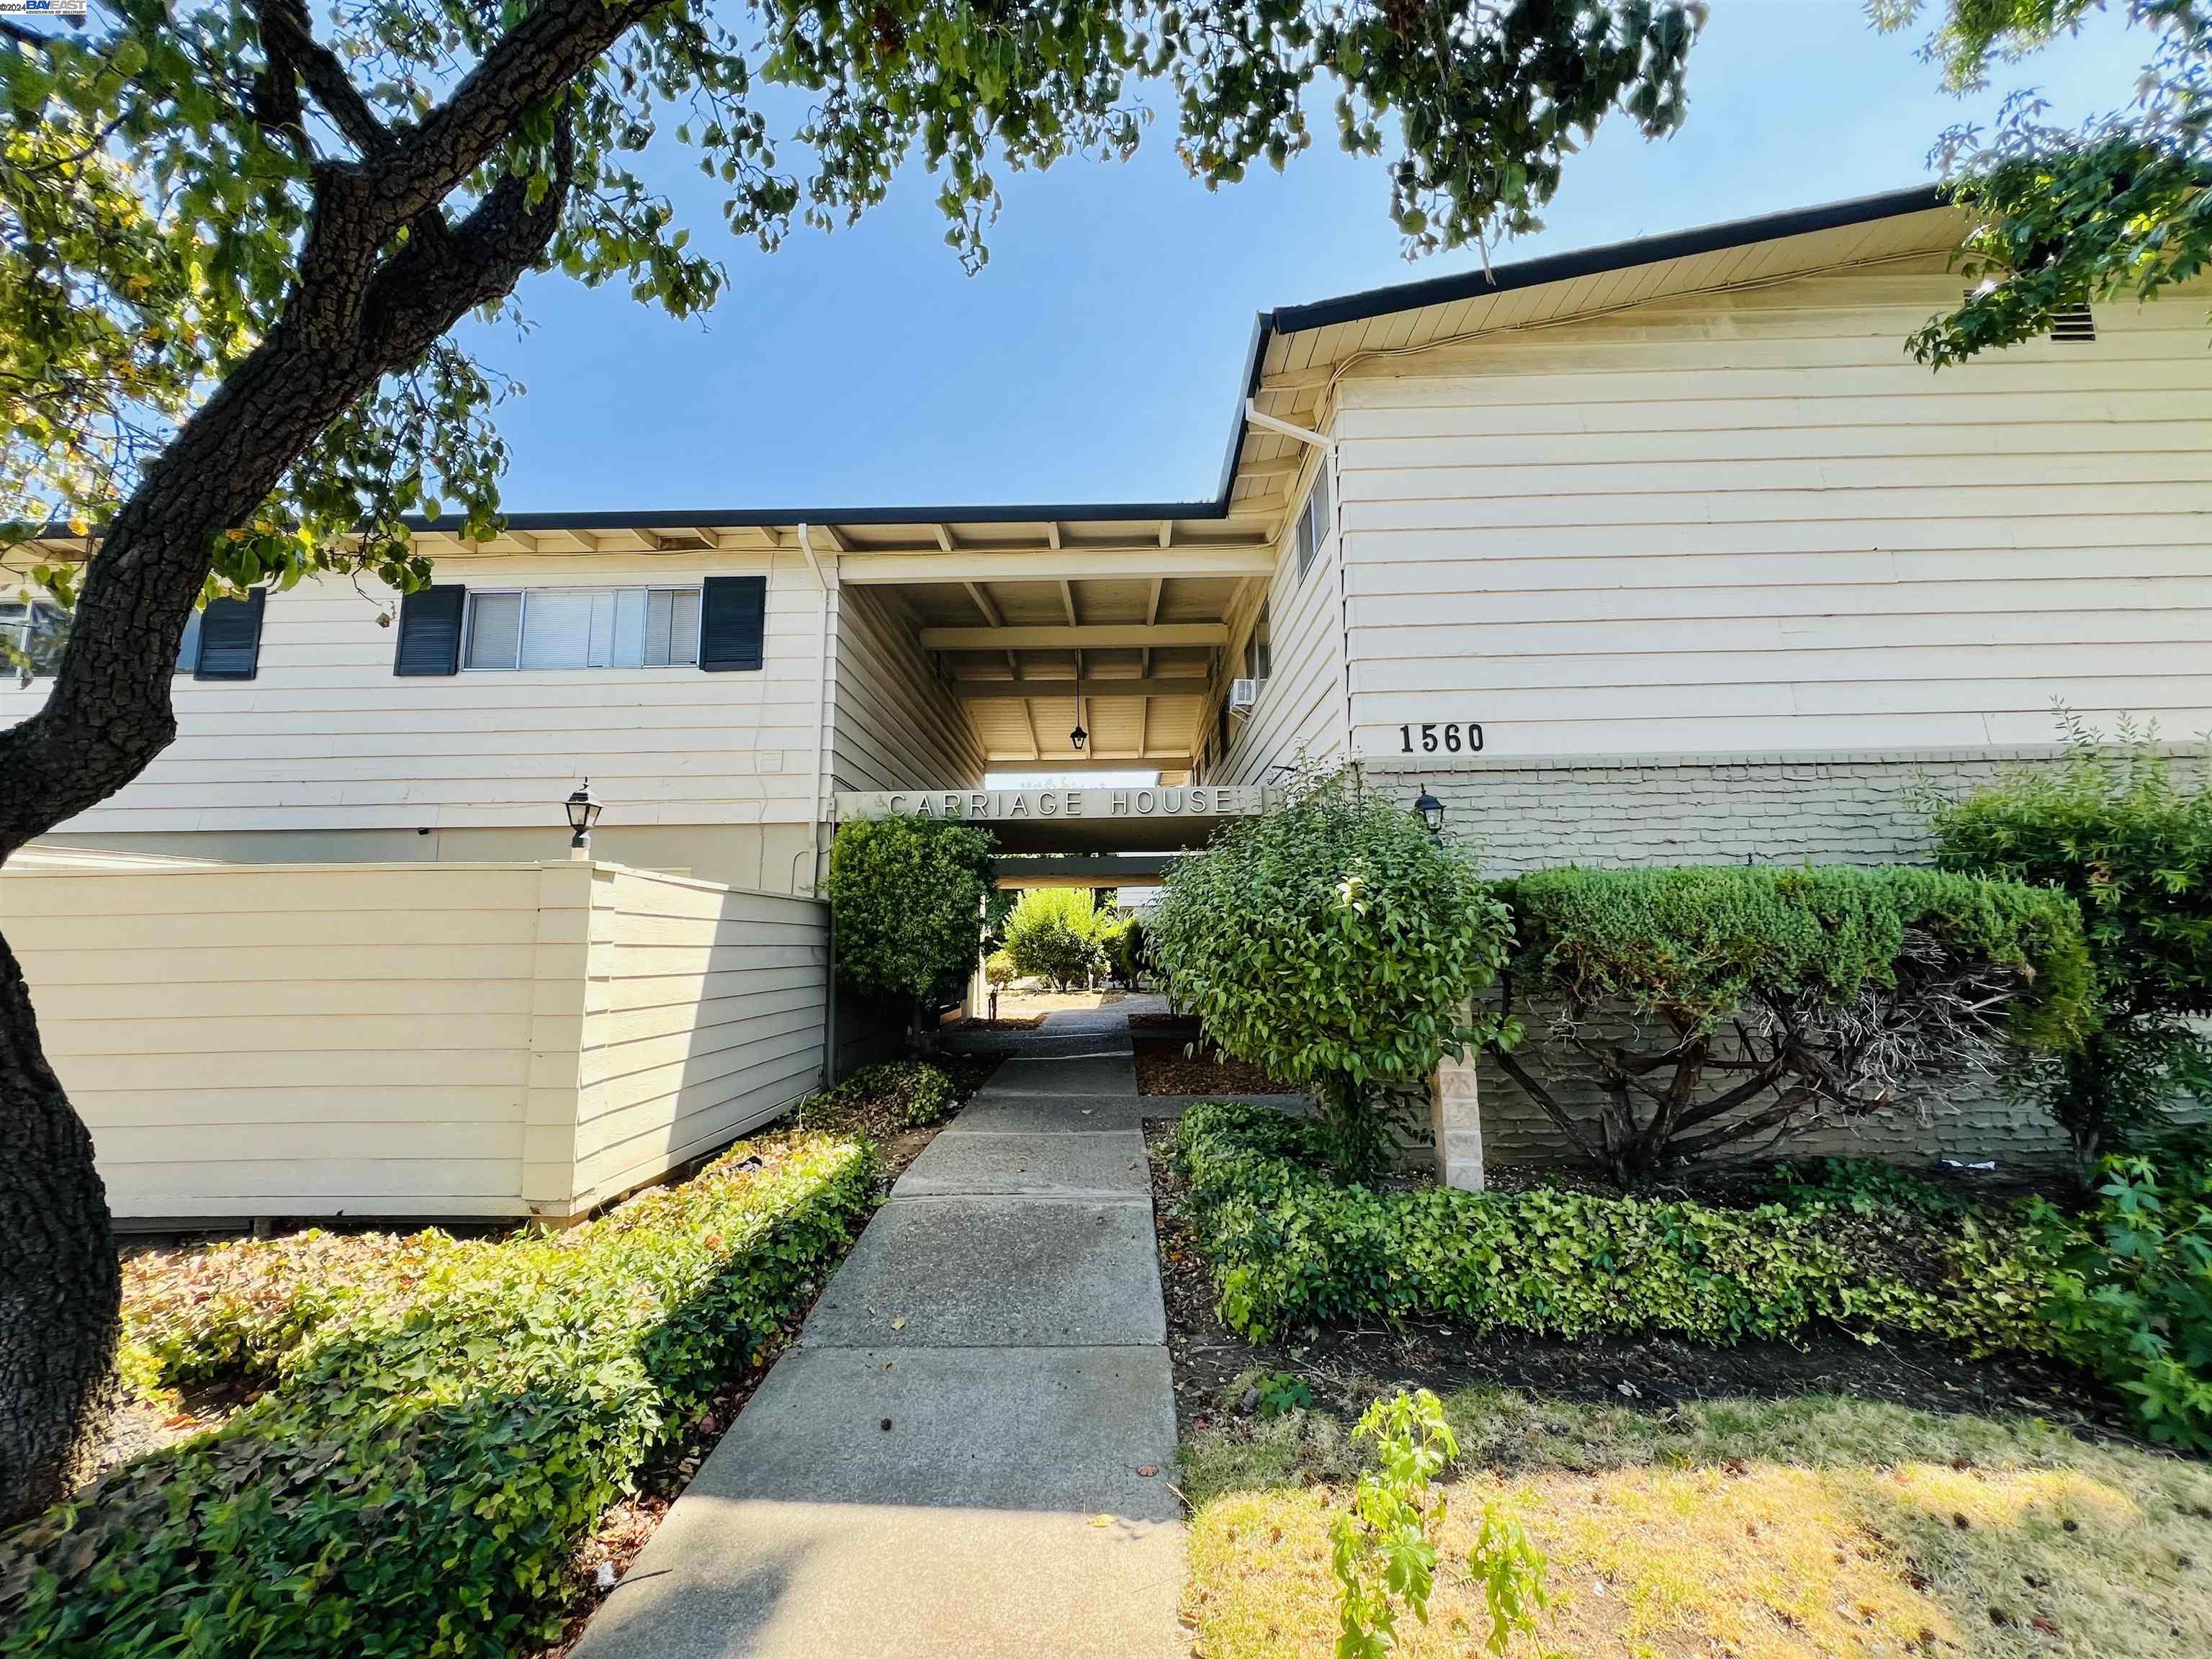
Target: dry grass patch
x: 1758, y: 1530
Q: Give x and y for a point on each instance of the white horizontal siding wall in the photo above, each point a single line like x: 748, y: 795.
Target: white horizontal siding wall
x: 479, y: 1041
x: 895, y: 725
x: 705, y: 1021
x: 1747, y: 522
x: 291, y: 1039
x: 1302, y: 702
x: 326, y: 737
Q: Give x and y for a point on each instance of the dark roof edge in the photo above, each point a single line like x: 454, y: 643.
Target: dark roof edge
x: 1614, y: 256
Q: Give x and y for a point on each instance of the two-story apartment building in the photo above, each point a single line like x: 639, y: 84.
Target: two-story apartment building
x: 1663, y: 551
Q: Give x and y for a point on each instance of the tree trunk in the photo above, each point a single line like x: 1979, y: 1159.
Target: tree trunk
x: 60, y: 1286
x: 354, y: 315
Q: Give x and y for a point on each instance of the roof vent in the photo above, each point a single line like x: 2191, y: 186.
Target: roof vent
x: 2072, y: 325
x: 2075, y: 324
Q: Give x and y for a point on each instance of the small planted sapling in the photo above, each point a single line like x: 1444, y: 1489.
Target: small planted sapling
x: 1383, y: 1552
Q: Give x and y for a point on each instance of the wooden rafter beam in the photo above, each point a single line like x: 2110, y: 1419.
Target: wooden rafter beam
x: 1087, y: 637
x: 1140, y: 563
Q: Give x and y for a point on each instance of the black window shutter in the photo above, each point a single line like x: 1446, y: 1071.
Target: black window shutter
x: 230, y: 638
x: 431, y: 630
x: 732, y: 618
x: 188, y: 648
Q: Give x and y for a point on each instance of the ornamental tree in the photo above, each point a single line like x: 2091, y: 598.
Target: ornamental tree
x: 907, y: 897
x: 1335, y: 946
x: 238, y: 234
x: 2121, y: 205
x: 1659, y: 1015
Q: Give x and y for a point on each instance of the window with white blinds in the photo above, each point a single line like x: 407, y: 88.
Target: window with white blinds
x: 583, y: 627
x: 1314, y: 520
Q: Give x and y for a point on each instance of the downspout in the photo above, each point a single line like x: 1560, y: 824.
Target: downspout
x: 814, y: 816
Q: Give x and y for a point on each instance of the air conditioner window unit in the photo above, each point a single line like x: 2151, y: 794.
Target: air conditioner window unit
x: 1243, y: 696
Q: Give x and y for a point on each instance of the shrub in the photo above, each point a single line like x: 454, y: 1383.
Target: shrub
x: 420, y: 1478
x: 1778, y: 996
x: 2130, y: 841
x: 998, y: 971
x: 2132, y: 1292
x: 1123, y: 941
x: 1335, y: 946
x: 1290, y: 1248
x: 901, y: 1094
x: 906, y: 894
x: 1053, y: 933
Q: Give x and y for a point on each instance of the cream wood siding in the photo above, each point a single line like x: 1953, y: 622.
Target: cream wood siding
x: 1301, y: 709
x: 894, y: 724
x: 327, y: 738
x: 707, y: 1021
x: 464, y: 1040
x: 1747, y: 522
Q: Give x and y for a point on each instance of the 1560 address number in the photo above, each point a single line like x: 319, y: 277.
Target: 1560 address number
x: 1448, y: 737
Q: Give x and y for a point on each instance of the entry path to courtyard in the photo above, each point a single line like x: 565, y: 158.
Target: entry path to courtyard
x: 969, y: 1449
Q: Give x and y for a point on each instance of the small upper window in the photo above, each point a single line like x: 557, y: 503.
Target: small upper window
x: 1314, y: 522
x: 1259, y: 650
x: 583, y: 627
x: 34, y: 632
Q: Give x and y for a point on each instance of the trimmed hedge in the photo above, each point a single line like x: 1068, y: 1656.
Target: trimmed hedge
x: 1697, y: 942
x: 1290, y: 1248
x: 420, y: 1478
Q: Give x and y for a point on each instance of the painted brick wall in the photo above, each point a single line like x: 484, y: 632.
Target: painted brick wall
x: 1784, y: 808
x: 1603, y: 811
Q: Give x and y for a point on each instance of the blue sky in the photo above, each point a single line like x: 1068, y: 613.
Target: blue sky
x: 1095, y: 357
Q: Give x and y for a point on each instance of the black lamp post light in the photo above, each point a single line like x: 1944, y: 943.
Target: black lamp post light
x: 1430, y: 812
x: 583, y: 813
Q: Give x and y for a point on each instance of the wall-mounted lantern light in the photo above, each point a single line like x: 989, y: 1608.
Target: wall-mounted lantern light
x: 583, y: 813
x: 1430, y: 812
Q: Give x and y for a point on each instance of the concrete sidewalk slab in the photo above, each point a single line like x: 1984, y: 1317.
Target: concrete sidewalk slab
x: 947, y: 1462
x: 1051, y: 1114
x: 1097, y: 1074
x: 812, y: 1529
x: 1034, y: 1044
x: 1108, y: 1165
x: 996, y: 1272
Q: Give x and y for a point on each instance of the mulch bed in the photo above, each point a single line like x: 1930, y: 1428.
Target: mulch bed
x: 1347, y: 1367
x: 1164, y: 1066
x: 1029, y: 1023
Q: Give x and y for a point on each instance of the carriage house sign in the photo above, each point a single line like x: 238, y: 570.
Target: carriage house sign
x: 1075, y: 817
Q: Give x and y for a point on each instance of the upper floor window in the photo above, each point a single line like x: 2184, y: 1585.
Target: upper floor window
x: 1314, y: 520
x: 1259, y: 647
x: 582, y: 628
x: 34, y: 632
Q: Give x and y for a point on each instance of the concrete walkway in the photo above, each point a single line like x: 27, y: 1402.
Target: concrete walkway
x: 949, y: 1460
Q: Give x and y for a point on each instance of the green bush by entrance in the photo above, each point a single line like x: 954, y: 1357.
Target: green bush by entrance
x: 906, y: 896
x: 1335, y: 946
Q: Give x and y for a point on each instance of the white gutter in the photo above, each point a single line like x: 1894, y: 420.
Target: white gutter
x: 1284, y: 428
